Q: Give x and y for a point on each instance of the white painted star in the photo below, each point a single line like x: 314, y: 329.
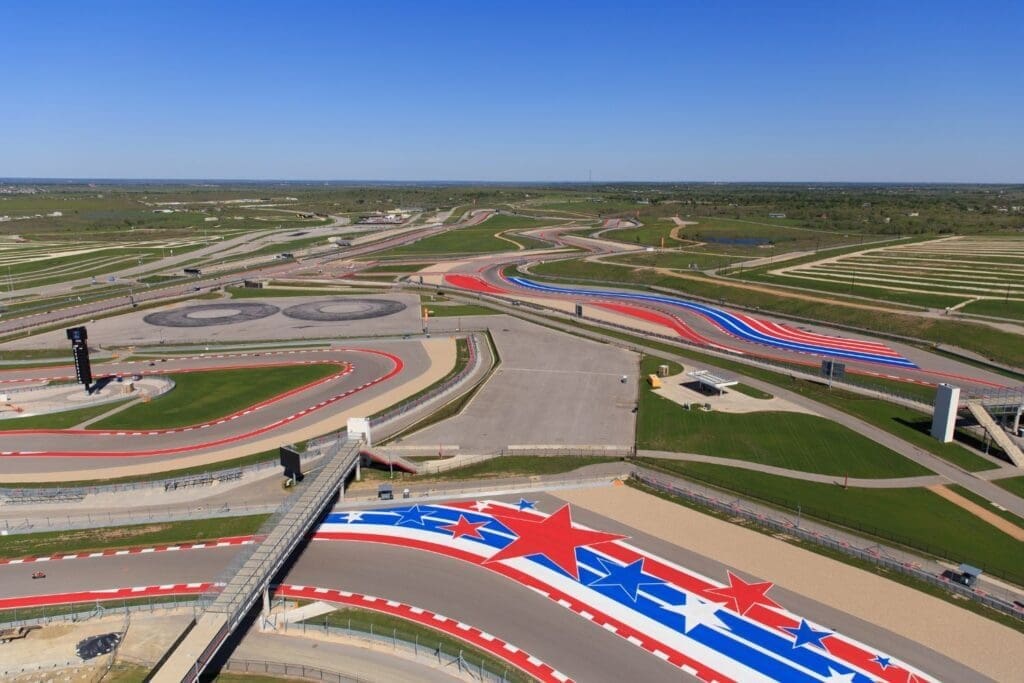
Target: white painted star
x: 481, y: 505
x: 836, y: 677
x: 697, y: 612
x: 353, y: 516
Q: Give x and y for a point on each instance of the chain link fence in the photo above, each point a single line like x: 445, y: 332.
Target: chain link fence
x: 79, y: 612
x: 434, y: 653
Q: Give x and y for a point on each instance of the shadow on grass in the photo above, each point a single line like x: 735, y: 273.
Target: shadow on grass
x: 962, y: 437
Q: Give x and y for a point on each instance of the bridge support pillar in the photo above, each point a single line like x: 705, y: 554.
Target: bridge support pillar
x: 359, y: 473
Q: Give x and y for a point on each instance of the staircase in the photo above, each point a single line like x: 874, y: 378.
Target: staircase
x: 997, y: 433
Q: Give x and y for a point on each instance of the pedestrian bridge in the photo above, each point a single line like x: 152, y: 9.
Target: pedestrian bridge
x: 252, y: 573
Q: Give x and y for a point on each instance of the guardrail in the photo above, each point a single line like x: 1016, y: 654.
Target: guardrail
x: 873, y: 554
x: 400, y: 410
x: 434, y: 653
x: 85, y: 611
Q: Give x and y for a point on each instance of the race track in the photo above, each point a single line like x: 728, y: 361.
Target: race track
x: 593, y: 602
x: 362, y: 373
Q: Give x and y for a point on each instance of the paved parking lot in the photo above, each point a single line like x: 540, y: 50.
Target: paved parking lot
x: 551, y: 388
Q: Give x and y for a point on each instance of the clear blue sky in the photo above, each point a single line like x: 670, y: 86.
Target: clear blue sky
x: 820, y: 91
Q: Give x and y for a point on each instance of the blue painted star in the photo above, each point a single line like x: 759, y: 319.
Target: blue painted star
x: 527, y: 504
x: 413, y: 515
x: 805, y: 634
x: 883, y: 662
x: 628, y: 578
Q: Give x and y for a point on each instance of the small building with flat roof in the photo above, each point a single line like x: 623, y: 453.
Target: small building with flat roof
x: 710, y: 381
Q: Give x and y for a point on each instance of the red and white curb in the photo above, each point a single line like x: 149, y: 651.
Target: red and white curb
x: 397, y: 367
x: 481, y: 639
x: 102, y: 595
x: 217, y: 543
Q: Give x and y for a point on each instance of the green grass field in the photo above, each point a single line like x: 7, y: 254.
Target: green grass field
x: 270, y: 292
x: 64, y: 420
x: 916, y: 518
x: 477, y: 239
x: 136, y: 535
x: 1014, y: 485
x: 751, y: 391
x: 457, y: 310
x: 677, y: 260
x: 905, y: 423
x: 203, y: 396
x: 795, y: 441
x: 996, y: 308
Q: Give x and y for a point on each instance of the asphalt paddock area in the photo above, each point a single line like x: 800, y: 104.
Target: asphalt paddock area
x: 550, y: 389
x: 205, y: 315
x: 346, y: 308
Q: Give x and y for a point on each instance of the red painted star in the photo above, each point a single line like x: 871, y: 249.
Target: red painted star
x: 741, y: 596
x: 464, y: 527
x: 554, y: 537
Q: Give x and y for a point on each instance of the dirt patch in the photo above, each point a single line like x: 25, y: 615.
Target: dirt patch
x: 1004, y: 525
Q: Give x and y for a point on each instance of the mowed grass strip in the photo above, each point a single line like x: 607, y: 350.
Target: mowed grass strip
x: 912, y: 517
x: 795, y: 441
x: 48, y: 543
x: 1014, y: 485
x: 199, y: 397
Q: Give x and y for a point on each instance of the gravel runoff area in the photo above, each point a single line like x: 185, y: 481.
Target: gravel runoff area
x: 986, y: 647
x: 552, y: 389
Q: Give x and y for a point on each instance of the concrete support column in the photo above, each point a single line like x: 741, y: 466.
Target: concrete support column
x: 359, y: 474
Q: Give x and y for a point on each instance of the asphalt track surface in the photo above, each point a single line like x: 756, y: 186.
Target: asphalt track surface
x: 486, y: 276
x: 465, y: 592
x: 361, y: 373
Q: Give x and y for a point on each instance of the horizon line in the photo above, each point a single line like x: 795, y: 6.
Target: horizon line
x: 377, y: 181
